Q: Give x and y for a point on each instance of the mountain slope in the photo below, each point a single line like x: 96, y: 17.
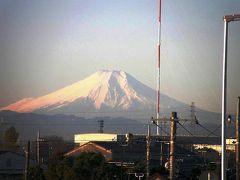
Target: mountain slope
x: 108, y: 93
x: 102, y: 90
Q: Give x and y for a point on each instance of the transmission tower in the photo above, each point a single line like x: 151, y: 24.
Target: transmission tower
x: 100, y: 125
x: 193, y: 117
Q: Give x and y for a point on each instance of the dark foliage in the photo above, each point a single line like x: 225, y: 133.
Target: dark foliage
x: 36, y: 173
x: 86, y: 166
x: 11, y: 136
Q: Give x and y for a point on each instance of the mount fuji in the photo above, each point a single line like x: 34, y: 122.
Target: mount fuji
x: 103, y: 91
x: 113, y: 94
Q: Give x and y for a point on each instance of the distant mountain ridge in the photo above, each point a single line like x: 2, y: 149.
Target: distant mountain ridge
x: 109, y: 93
x: 28, y: 124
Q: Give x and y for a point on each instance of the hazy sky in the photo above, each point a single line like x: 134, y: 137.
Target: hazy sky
x: 48, y: 44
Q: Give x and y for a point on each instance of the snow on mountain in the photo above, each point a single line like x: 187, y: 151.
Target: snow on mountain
x: 102, y: 90
x: 108, y: 93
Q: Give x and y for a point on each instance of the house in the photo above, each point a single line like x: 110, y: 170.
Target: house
x: 112, y: 151
x: 90, y: 147
x: 217, y: 146
x: 12, y: 165
x: 130, y: 152
x: 97, y: 137
x: 128, y: 149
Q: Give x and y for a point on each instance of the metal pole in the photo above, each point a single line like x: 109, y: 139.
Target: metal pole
x: 209, y: 175
x: 38, y: 147
x: 148, y: 151
x: 172, y: 145
x: 161, y: 158
x: 122, y: 164
x: 224, y: 92
x: 227, y: 19
x: 159, y: 56
x: 27, y: 153
x: 237, y: 140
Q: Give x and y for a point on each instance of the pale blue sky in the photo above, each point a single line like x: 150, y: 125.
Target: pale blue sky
x: 46, y: 45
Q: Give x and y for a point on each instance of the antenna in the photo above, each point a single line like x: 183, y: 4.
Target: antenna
x: 159, y: 56
x: 193, y: 117
x: 101, y: 125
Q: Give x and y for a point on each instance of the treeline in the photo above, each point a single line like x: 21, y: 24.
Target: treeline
x: 91, y: 166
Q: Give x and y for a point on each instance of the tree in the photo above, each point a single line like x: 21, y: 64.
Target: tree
x: 11, y: 136
x: 57, y: 145
x: 36, y: 173
x: 86, y: 166
x: 210, y: 155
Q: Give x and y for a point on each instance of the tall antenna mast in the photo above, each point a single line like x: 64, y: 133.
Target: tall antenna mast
x: 159, y: 56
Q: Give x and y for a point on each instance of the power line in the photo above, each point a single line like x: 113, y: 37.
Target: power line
x: 186, y: 129
x: 161, y: 128
x: 214, y: 130
x: 190, y: 133
x: 211, y: 132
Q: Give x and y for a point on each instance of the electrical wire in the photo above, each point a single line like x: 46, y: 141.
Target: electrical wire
x: 191, y: 133
x: 206, y: 129
x: 161, y: 128
x: 214, y: 130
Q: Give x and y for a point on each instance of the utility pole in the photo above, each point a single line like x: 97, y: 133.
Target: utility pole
x: 38, y: 148
x: 148, y: 151
x: 39, y: 139
x: 27, y: 154
x: 238, y: 140
x: 161, y: 157
x: 173, y: 126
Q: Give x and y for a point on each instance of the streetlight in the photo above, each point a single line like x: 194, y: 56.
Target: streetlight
x: 139, y: 175
x: 227, y: 19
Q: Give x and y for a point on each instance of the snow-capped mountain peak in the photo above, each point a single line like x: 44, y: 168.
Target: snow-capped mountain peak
x: 104, y: 89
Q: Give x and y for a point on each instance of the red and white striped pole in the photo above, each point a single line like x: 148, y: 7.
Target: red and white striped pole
x: 158, y: 58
